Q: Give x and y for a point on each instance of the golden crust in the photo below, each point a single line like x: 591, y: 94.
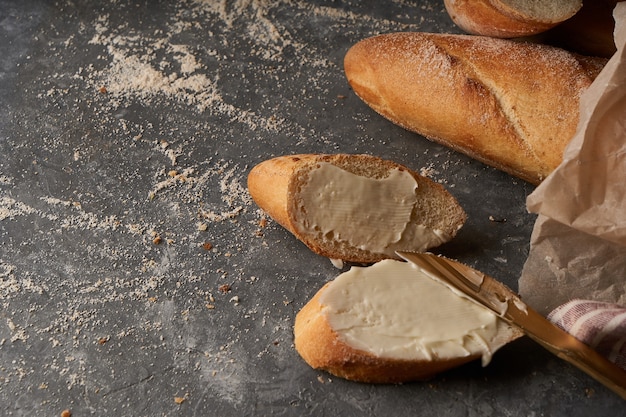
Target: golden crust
x: 320, y: 346
x: 511, y: 105
x: 268, y: 184
x: 273, y: 183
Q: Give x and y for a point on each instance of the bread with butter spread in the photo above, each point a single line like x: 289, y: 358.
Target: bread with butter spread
x: 356, y: 208
x: 509, y: 104
x: 391, y: 323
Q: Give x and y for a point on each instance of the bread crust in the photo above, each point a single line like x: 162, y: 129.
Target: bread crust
x: 321, y: 347
x: 273, y: 184
x: 268, y: 184
x: 497, y: 19
x: 511, y: 105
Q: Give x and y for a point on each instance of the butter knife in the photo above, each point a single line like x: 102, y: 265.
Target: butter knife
x: 494, y: 295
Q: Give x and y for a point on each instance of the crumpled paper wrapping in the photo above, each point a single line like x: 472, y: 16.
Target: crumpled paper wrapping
x: 578, y: 244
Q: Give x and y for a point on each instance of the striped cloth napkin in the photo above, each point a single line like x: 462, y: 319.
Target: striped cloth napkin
x: 602, y: 326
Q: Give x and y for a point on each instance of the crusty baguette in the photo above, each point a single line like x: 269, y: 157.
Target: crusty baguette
x: 276, y: 184
x: 323, y: 347
x: 509, y: 104
x: 510, y: 18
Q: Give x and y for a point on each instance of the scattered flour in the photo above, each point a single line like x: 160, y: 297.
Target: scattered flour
x: 141, y: 262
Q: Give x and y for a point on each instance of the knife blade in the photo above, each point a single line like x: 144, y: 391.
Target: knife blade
x: 494, y: 295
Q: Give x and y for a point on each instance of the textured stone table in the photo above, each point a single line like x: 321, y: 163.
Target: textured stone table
x: 137, y: 278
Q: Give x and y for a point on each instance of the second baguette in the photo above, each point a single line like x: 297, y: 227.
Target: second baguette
x: 510, y: 18
x: 509, y: 104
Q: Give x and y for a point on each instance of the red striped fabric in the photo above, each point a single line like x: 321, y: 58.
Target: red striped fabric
x: 601, y: 326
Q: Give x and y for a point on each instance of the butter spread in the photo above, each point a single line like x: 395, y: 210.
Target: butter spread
x: 367, y: 213
x: 392, y: 309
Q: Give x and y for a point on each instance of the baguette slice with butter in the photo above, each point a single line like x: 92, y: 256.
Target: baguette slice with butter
x: 391, y: 323
x: 355, y: 208
x: 509, y: 104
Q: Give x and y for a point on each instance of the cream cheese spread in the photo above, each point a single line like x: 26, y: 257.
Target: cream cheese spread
x: 367, y: 213
x: 392, y: 309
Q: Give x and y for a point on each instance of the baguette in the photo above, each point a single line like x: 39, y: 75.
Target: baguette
x: 509, y: 104
x: 510, y: 18
x: 390, y: 323
x: 355, y: 208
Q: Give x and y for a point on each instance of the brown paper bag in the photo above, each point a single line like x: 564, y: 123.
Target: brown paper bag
x: 578, y: 244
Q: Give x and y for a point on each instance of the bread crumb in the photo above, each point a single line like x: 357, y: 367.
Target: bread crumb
x: 321, y: 379
x: 66, y: 413
x: 179, y: 400
x: 207, y: 246
x: 224, y: 288
x: 429, y: 171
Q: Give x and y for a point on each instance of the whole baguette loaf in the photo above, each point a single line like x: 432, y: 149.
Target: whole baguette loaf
x: 322, y: 337
x: 509, y: 104
x: 278, y: 187
x: 510, y: 18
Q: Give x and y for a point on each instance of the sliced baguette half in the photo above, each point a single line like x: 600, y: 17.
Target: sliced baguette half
x: 355, y: 208
x: 390, y: 323
x: 510, y: 18
x: 509, y: 104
